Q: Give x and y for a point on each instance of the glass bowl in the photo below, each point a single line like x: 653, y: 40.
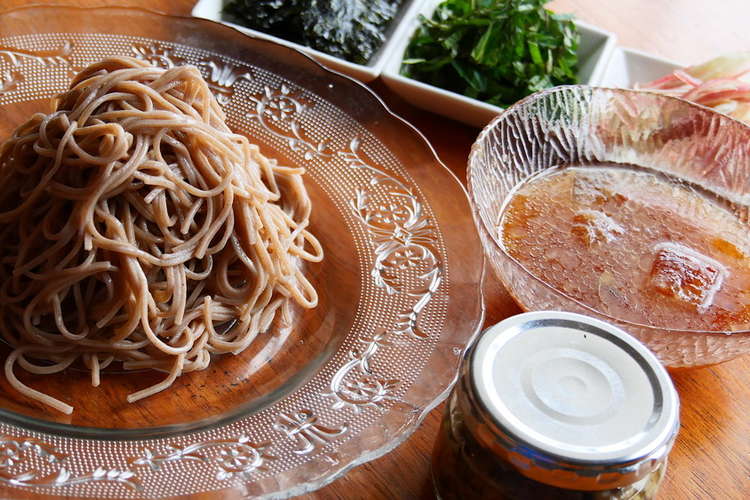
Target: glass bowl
x: 399, y: 287
x: 635, y: 135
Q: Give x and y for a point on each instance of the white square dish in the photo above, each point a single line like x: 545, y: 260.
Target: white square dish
x: 212, y: 9
x: 627, y: 67
x: 594, y: 51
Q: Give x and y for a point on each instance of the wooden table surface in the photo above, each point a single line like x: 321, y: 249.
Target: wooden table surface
x: 711, y: 458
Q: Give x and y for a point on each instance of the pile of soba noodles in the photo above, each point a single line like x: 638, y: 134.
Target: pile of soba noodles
x: 135, y: 227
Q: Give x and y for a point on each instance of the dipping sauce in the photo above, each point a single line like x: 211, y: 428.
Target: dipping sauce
x: 633, y: 244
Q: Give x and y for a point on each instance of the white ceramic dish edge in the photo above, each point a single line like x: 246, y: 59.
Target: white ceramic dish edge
x: 609, y: 66
x: 211, y: 9
x: 627, y: 67
x: 596, y: 48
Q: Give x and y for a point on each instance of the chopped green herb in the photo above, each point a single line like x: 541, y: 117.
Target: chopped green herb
x: 497, y: 51
x: 349, y: 29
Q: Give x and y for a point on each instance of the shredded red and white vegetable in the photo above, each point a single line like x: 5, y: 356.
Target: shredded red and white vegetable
x: 722, y: 83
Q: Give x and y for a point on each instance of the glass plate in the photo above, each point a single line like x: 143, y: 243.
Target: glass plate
x: 399, y: 287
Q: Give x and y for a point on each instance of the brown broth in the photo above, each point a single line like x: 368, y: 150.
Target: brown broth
x: 633, y: 244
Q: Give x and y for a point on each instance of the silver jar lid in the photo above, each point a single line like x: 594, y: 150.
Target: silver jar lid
x: 579, y: 401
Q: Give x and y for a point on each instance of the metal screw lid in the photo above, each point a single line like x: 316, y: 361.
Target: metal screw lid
x: 580, y: 403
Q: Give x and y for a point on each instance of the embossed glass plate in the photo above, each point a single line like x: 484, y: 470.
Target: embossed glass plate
x: 346, y: 382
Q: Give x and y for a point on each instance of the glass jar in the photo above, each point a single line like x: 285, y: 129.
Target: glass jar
x: 556, y: 405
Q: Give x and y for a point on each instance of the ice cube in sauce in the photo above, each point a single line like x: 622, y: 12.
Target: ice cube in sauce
x: 686, y: 275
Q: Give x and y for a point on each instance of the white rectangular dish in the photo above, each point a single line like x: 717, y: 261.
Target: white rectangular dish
x: 627, y: 67
x: 594, y: 51
x: 212, y: 9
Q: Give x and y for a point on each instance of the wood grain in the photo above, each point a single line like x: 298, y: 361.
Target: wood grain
x: 711, y: 458
x: 687, y: 31
x: 176, y: 7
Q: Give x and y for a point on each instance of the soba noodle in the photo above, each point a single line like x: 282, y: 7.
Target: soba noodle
x: 136, y: 227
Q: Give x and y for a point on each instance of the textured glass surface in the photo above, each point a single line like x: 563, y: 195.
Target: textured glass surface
x: 585, y: 125
x: 346, y: 382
